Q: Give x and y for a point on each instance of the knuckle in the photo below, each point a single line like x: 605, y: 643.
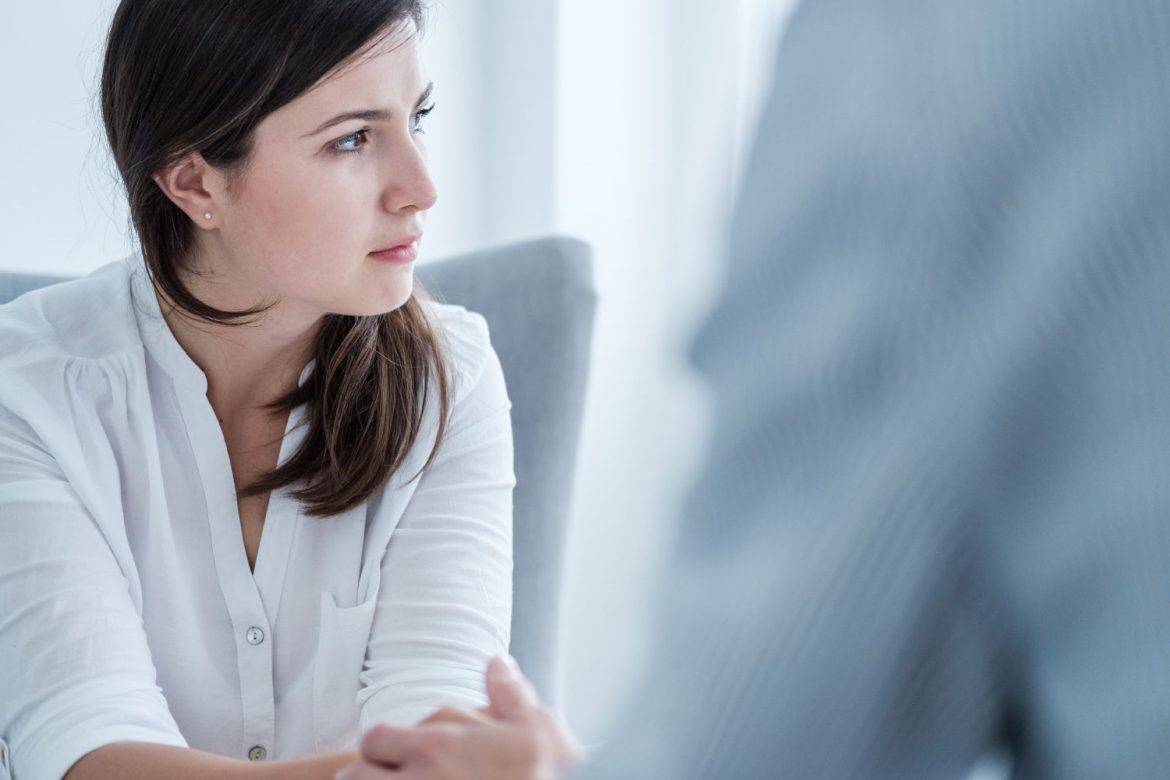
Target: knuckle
x: 546, y: 718
x: 526, y: 751
x: 447, y: 713
x: 373, y: 738
x: 435, y: 743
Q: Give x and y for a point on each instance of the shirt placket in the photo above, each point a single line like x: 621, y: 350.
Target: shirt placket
x: 252, y: 627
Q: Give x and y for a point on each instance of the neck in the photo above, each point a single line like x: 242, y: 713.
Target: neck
x: 246, y: 365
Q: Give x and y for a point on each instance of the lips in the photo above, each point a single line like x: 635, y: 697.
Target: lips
x: 401, y: 254
x: 405, y: 252
x: 405, y: 243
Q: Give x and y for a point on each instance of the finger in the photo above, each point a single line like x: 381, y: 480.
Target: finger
x: 511, y: 695
x: 367, y: 771
x: 389, y: 745
x: 457, y: 715
x: 410, y: 773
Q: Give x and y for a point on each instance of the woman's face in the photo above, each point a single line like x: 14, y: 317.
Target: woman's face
x: 326, y: 188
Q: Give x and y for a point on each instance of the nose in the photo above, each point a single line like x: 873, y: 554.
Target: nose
x: 408, y: 182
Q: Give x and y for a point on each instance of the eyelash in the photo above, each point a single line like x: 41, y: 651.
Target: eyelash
x: 419, y: 116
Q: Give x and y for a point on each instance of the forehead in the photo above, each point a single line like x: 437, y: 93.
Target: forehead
x: 393, y: 59
x: 389, y: 74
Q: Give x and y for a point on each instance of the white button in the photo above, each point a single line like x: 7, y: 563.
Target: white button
x: 254, y: 636
x: 258, y: 753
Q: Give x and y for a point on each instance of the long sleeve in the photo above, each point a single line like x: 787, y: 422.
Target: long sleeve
x: 77, y: 669
x: 933, y: 518
x: 445, y: 602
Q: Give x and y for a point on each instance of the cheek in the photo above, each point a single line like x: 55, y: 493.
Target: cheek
x: 306, y: 225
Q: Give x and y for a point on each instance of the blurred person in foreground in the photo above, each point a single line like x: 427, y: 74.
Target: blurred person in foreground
x: 935, y: 518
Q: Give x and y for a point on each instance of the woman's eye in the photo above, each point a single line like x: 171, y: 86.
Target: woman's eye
x: 356, y: 141
x: 350, y: 144
x: 420, y: 115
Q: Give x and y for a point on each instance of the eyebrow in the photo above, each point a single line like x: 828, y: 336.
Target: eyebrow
x: 368, y: 114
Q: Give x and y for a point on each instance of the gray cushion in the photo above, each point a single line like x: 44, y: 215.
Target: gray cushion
x: 14, y: 285
x: 539, y: 302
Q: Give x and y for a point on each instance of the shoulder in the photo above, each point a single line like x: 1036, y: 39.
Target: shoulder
x: 87, y: 317
x: 466, y: 342
x: 65, y: 348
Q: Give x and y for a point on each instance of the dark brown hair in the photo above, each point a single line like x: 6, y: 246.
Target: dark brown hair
x: 183, y: 76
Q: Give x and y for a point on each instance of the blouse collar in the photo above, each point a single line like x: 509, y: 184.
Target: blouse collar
x: 158, y: 338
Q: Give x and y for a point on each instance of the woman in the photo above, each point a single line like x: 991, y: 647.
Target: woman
x: 255, y: 488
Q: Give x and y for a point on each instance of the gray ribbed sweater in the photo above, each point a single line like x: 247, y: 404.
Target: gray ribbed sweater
x: 935, y: 518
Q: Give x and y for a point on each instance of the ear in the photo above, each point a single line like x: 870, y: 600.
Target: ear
x: 193, y: 186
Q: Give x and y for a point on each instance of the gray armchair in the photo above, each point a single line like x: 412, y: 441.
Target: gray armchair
x: 539, y: 302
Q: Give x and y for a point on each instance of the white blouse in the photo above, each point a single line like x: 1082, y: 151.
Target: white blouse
x: 128, y: 611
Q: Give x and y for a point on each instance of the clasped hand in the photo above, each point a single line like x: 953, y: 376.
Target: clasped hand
x: 514, y: 738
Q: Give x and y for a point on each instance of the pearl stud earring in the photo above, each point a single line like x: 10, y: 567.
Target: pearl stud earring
x: 207, y: 215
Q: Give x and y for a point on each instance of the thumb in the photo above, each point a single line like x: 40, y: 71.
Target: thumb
x: 511, y: 694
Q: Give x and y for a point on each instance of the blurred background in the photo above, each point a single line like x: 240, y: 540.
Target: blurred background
x: 622, y: 122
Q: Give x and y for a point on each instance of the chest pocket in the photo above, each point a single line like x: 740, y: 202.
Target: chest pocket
x: 342, y: 637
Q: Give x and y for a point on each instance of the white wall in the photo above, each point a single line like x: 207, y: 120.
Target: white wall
x: 492, y: 135
x: 59, y: 208
x: 651, y: 102
x: 619, y: 121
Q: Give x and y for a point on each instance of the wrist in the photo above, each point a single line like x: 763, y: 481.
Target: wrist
x: 316, y: 768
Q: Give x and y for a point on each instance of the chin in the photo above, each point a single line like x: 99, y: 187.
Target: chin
x: 388, y: 302
x: 372, y: 296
